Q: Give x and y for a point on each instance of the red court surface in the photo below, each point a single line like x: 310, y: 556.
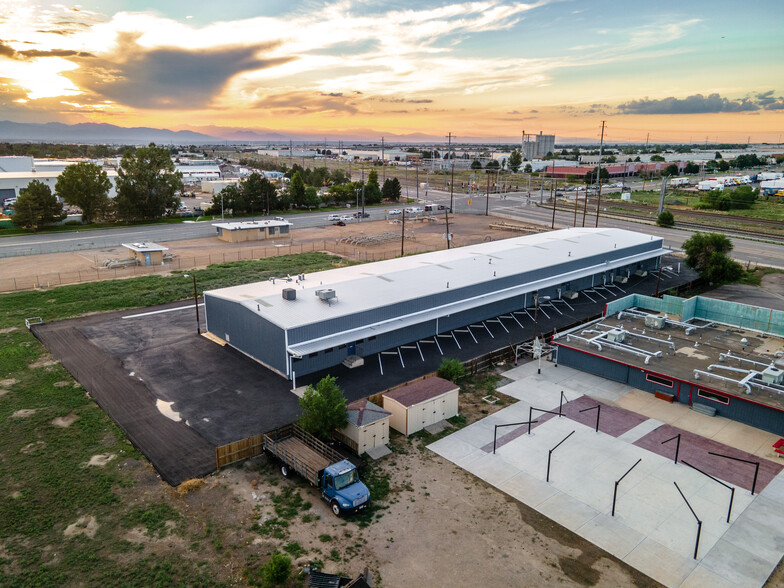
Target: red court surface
x: 613, y: 421
x: 694, y: 449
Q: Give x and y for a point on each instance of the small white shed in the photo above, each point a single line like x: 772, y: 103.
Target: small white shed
x: 368, y: 426
x: 420, y: 404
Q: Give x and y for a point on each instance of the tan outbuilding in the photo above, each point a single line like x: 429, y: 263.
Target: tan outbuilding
x: 420, y: 404
x: 252, y: 230
x: 368, y: 426
x: 146, y: 253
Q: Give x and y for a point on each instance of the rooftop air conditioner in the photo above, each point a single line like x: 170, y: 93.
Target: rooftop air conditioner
x: 289, y: 294
x: 326, y: 294
x: 616, y: 335
x: 772, y: 375
x: 654, y: 322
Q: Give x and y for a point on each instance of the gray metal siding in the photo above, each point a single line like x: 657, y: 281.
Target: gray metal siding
x: 593, y: 365
x: 247, y: 331
x: 749, y: 413
x: 638, y: 379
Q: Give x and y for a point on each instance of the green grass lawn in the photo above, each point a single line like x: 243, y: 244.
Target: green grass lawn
x: 45, y: 482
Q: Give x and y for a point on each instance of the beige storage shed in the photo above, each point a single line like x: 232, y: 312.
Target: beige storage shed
x: 252, y: 230
x: 368, y: 426
x: 420, y: 404
x: 146, y: 253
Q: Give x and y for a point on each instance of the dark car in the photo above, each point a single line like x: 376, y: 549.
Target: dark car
x: 340, y: 223
x: 361, y: 215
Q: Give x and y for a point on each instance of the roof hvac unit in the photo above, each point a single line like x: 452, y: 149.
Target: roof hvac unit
x: 772, y: 375
x: 616, y: 335
x: 326, y: 294
x: 289, y: 294
x: 654, y: 322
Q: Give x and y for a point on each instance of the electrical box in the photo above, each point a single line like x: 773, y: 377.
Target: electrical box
x: 289, y: 294
x: 326, y: 294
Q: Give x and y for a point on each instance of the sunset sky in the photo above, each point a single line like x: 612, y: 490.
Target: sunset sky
x: 679, y: 70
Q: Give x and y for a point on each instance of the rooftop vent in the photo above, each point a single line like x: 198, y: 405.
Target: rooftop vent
x: 289, y: 294
x: 326, y: 294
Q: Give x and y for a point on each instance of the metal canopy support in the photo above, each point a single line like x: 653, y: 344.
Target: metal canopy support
x: 467, y: 331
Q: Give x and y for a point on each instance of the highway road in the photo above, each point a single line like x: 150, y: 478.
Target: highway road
x: 513, y: 205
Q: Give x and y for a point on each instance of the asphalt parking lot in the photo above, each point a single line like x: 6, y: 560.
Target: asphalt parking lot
x: 178, y: 395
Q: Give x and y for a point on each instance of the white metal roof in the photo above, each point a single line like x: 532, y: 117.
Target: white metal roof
x: 239, y: 226
x: 368, y: 286
x: 145, y: 247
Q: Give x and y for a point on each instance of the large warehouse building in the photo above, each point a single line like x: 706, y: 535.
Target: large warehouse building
x: 300, y: 325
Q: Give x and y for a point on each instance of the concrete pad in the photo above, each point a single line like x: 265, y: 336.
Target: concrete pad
x: 378, y: 452
x: 746, y: 532
x: 452, y: 448
x: 775, y: 489
x: 526, y: 489
x: 492, y: 469
x: 679, y: 533
x: 567, y: 511
x: 641, y: 516
x: 702, y: 577
x: 640, y: 430
x: 611, y: 534
x: 436, y: 428
x: 737, y: 565
x: 660, y: 563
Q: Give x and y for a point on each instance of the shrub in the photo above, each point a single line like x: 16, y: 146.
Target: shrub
x: 451, y: 369
x: 665, y: 219
x: 277, y: 570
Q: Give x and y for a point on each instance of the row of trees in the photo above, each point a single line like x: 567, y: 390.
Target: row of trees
x: 147, y: 188
x: 740, y: 198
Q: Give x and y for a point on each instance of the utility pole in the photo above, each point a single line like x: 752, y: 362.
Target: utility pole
x: 403, y: 234
x: 383, y: 164
x: 452, y: 186
x: 663, y: 194
x: 417, y: 180
x: 553, y: 196
x: 448, y: 151
x: 585, y: 205
x: 448, y: 236
x: 599, y: 176
x: 648, y: 136
x: 487, y: 197
x: 576, y: 200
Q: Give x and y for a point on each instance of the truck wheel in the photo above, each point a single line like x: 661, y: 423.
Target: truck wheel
x: 284, y: 469
x: 335, y: 508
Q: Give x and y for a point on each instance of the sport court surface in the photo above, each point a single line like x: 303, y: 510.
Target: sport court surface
x: 653, y: 529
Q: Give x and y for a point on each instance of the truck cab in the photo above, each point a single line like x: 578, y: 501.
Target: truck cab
x: 342, y: 489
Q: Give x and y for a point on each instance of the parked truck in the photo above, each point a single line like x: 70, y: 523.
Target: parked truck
x: 299, y: 452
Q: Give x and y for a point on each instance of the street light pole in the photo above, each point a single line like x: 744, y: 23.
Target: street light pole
x: 195, y: 301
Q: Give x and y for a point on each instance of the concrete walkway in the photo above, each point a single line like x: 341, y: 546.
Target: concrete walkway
x: 653, y: 529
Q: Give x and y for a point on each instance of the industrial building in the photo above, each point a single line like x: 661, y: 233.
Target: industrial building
x: 537, y: 146
x: 719, y: 357
x: 12, y: 183
x: 299, y: 325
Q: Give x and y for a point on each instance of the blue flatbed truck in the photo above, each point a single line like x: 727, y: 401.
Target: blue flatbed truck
x: 299, y: 452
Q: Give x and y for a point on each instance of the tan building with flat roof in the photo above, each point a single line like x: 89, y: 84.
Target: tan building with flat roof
x: 252, y: 230
x: 146, y: 253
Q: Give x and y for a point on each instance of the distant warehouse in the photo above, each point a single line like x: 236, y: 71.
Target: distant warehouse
x: 302, y: 324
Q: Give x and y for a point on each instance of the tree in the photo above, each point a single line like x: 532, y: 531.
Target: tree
x: 147, y: 184
x: 708, y: 254
x: 590, y: 177
x: 717, y: 155
x: 528, y: 169
x: 312, y: 199
x: 451, y: 369
x: 391, y: 189
x: 87, y: 186
x: 723, y: 165
x: 665, y: 219
x: 339, y: 176
x: 515, y: 160
x: 670, y: 170
x: 657, y: 158
x: 476, y: 164
x: 691, y: 168
x: 372, y: 190
x: 37, y: 207
x: 493, y: 164
x: 323, y: 408
x: 743, y: 197
x: 297, y: 190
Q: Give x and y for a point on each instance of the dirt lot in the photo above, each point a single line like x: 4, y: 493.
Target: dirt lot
x: 21, y: 273
x: 438, y: 525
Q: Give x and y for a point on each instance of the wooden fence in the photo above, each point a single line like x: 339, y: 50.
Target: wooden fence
x: 239, y: 450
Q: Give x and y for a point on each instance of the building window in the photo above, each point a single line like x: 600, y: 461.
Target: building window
x: 372, y: 338
x: 313, y: 354
x: 720, y: 398
x: 341, y: 347
x: 329, y: 350
x: 658, y: 380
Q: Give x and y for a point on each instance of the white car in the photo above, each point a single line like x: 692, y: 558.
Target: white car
x: 346, y: 218
x: 395, y: 211
x: 333, y: 217
x: 415, y: 210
